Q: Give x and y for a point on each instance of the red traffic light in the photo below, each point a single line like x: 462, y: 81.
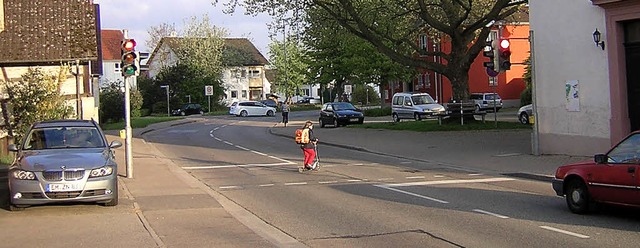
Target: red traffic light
x: 128, y: 45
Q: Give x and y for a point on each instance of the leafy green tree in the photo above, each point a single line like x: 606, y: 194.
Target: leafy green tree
x: 183, y: 81
x: 290, y: 60
x: 526, y: 95
x: 112, y: 102
x: 201, y: 46
x: 36, y: 97
x: 340, y: 57
x: 365, y: 95
x: 392, y: 27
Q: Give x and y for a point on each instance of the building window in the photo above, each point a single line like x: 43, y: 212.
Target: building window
x: 117, y: 67
x: 254, y: 73
x: 234, y: 94
x: 423, y: 42
x: 244, y: 94
x: 423, y: 81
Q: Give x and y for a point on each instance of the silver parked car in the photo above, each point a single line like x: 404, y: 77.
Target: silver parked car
x: 524, y: 113
x: 414, y: 106
x: 247, y: 108
x: 63, y: 161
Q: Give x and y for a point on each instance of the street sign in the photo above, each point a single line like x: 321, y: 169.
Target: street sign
x: 208, y: 90
x: 492, y: 73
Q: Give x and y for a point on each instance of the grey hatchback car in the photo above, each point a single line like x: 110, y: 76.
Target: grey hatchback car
x: 63, y: 161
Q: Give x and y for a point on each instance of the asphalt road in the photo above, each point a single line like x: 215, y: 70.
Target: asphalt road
x: 360, y: 199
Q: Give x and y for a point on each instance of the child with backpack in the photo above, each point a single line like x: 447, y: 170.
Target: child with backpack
x: 307, y: 142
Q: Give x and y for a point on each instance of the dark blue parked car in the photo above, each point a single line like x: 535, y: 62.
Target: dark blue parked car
x: 340, y: 113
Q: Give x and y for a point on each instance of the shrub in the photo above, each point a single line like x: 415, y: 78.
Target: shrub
x: 36, y: 98
x: 378, y: 112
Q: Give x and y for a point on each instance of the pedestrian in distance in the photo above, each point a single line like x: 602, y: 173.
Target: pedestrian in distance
x: 285, y: 113
x: 308, y: 145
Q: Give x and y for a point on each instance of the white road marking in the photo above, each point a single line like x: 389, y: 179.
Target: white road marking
x: 490, y: 213
x: 243, y: 148
x: 233, y: 166
x: 412, y: 194
x: 229, y: 187
x: 290, y: 184
x: 385, y: 179
x: 267, y: 185
x: 438, y: 176
x: 455, y: 181
x: 216, y: 138
x: 475, y: 174
x: 354, y: 180
x: 259, y: 153
x: 565, y: 232
x: 327, y: 182
x: 228, y: 143
x: 358, y: 164
x: 416, y: 177
x: 405, y: 162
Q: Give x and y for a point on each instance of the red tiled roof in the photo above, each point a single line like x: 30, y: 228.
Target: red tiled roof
x: 111, y: 41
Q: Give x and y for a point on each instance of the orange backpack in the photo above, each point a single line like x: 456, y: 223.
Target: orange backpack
x: 301, y: 138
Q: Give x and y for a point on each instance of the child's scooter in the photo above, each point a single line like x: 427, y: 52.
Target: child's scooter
x: 315, y: 166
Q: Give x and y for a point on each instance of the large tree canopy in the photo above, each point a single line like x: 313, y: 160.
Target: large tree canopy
x: 393, y: 27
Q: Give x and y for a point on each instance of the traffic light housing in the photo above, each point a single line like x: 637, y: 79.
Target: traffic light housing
x: 504, y: 54
x: 489, y: 52
x: 129, y: 58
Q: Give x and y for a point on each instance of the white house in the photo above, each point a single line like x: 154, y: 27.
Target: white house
x: 246, y: 82
x: 586, y: 92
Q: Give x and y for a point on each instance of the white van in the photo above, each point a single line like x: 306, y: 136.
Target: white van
x: 414, y: 106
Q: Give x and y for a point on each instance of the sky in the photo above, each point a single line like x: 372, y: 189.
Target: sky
x: 137, y: 16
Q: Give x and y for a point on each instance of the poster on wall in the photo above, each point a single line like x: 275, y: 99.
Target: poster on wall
x: 572, y: 95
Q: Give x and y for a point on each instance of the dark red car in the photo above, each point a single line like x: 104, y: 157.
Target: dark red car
x: 612, y: 178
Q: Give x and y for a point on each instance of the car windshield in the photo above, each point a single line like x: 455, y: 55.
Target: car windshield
x: 343, y: 106
x: 63, y: 137
x: 422, y: 99
x: 627, y: 151
x: 490, y: 97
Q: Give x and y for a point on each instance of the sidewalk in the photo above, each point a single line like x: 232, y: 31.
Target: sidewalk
x: 177, y: 210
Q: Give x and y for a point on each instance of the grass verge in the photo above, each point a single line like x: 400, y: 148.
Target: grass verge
x: 137, y: 122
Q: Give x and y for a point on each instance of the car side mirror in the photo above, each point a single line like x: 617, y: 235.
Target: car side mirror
x: 12, y: 148
x: 115, y: 144
x: 600, y: 158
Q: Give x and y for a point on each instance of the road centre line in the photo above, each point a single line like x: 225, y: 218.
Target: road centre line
x: 229, y: 187
x: 327, y: 182
x: 416, y: 177
x: 455, y: 181
x: 233, y: 166
x: 490, y: 213
x: 565, y: 232
x: 386, y: 179
x: 475, y: 174
x: 438, y: 176
x: 412, y: 194
x: 267, y: 185
x: 354, y: 180
x: 227, y: 142
x: 290, y: 184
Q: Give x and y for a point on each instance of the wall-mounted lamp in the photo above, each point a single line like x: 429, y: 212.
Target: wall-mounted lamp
x: 596, y: 39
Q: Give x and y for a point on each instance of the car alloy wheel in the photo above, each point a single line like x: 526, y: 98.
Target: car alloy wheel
x: 182, y: 113
x: 577, y: 197
x: 524, y: 118
x: 270, y: 113
x: 335, y: 122
x: 321, y: 122
x: 478, y: 108
x: 395, y: 118
x: 417, y: 117
x: 244, y: 113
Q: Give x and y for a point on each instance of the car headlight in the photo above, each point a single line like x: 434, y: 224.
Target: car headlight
x: 23, y: 175
x: 101, y: 172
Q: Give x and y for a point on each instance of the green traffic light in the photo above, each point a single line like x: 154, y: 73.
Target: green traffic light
x: 129, y: 70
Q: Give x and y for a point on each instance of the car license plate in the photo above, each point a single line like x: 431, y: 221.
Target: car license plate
x: 354, y: 119
x: 60, y: 187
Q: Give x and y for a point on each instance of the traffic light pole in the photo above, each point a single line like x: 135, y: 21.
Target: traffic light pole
x: 127, y: 121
